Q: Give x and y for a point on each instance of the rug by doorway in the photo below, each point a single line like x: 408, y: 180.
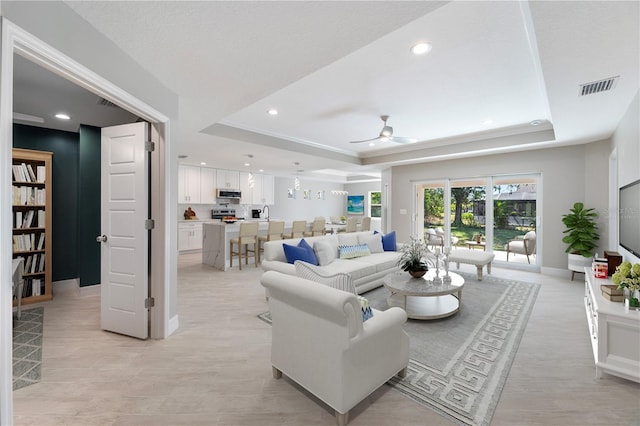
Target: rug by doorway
x: 27, y: 347
x: 458, y: 365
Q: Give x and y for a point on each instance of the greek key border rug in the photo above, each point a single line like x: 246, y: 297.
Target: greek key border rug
x: 459, y: 364
x: 27, y: 347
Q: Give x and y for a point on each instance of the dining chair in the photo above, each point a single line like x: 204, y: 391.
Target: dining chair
x: 352, y: 224
x: 366, y: 224
x: 297, y: 229
x: 248, y: 234
x: 317, y: 228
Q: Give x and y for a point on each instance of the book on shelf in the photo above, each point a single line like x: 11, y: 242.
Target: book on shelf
x: 31, y: 173
x: 41, y: 241
x: 41, y: 219
x: 41, y: 173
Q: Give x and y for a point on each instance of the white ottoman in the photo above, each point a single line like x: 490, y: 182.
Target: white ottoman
x: 472, y: 257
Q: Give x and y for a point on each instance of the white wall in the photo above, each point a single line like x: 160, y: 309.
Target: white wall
x: 626, y: 140
x: 59, y: 26
x: 564, y: 181
x: 290, y: 209
x: 363, y: 188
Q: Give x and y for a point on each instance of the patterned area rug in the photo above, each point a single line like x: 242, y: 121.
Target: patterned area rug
x: 27, y: 347
x: 458, y: 365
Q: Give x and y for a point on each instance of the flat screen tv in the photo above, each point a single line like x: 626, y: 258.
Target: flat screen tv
x: 629, y: 220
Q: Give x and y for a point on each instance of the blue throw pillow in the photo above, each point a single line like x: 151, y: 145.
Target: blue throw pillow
x: 389, y: 241
x: 302, y: 251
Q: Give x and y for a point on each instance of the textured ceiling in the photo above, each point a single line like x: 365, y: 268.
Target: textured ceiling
x: 332, y: 68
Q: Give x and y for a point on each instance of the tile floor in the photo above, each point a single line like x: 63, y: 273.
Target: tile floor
x: 215, y: 369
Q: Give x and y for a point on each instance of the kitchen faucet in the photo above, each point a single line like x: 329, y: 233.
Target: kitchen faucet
x: 265, y: 210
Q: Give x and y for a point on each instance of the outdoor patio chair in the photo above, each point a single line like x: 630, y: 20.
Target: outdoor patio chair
x: 523, y: 244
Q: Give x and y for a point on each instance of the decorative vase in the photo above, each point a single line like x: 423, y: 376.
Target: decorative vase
x: 418, y: 273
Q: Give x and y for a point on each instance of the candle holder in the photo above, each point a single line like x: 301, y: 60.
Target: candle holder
x: 437, y: 279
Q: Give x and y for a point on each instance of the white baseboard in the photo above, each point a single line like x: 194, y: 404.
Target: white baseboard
x: 90, y: 290
x: 73, y: 285
x: 63, y: 286
x: 174, y: 324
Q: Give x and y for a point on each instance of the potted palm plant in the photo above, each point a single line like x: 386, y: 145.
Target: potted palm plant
x: 414, y: 257
x: 581, y: 236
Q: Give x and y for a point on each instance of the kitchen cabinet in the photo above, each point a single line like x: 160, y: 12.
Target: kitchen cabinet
x: 229, y: 179
x: 190, y: 236
x: 260, y: 193
x: 188, y: 184
x: 208, y: 185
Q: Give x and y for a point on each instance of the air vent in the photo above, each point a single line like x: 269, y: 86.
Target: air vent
x: 598, y: 86
x: 104, y: 102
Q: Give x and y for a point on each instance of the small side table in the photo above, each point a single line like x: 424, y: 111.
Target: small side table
x: 472, y: 245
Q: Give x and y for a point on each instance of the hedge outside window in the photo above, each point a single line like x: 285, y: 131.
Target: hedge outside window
x: 375, y: 204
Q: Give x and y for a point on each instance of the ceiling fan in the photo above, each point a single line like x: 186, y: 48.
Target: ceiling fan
x: 386, y: 134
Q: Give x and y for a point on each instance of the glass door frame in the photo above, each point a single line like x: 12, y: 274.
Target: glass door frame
x: 447, y: 184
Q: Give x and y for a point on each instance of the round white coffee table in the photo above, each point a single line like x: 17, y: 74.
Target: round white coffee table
x: 423, y: 299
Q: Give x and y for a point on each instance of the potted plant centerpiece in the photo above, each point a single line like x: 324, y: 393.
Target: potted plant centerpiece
x: 414, y: 257
x: 581, y: 236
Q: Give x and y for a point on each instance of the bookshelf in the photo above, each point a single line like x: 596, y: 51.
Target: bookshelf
x: 32, y: 211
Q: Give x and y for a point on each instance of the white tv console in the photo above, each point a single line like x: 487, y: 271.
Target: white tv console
x: 615, y: 333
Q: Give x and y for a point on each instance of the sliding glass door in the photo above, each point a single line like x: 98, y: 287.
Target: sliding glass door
x: 495, y: 213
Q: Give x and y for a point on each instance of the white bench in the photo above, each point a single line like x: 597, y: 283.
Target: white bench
x: 472, y: 257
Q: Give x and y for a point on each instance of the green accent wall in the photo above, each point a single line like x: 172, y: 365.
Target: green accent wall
x: 76, y: 198
x: 64, y: 146
x: 89, y: 192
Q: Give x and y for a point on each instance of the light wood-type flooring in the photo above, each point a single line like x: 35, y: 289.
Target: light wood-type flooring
x: 215, y: 369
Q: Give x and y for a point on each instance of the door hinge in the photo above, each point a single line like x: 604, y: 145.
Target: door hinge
x: 149, y: 302
x: 149, y: 224
x: 149, y: 146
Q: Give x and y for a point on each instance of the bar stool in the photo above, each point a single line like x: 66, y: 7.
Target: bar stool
x: 297, y: 229
x: 274, y: 232
x: 248, y: 234
x: 317, y: 228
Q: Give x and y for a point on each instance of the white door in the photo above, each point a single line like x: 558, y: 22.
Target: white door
x: 124, y: 239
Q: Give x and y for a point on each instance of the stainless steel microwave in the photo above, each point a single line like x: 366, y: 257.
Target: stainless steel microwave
x: 228, y: 193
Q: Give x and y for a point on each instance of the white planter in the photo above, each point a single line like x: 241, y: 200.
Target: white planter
x: 578, y: 262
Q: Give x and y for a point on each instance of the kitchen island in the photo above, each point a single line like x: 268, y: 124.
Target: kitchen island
x: 215, y: 241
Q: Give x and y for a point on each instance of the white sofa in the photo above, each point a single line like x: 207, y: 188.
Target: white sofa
x: 319, y: 340
x: 367, y: 271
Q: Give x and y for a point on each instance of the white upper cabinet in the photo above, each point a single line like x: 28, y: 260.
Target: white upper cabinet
x: 188, y: 184
x: 261, y: 192
x: 208, y: 185
x: 268, y: 189
x: 229, y: 179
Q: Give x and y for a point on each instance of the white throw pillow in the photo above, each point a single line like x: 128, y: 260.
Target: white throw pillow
x: 325, y: 252
x: 374, y: 241
x: 348, y: 239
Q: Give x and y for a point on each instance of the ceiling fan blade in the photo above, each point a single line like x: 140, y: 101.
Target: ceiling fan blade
x: 400, y: 139
x: 367, y: 140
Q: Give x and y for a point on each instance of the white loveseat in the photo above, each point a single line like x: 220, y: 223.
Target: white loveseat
x: 367, y: 272
x: 319, y: 340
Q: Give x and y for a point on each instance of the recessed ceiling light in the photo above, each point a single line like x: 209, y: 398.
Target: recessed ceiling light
x: 247, y: 164
x: 487, y: 122
x: 63, y: 116
x: 535, y: 122
x: 203, y: 164
x: 272, y: 111
x: 261, y: 170
x: 421, y: 48
x: 372, y: 144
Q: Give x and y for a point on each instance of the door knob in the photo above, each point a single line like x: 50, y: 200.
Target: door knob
x: 101, y: 239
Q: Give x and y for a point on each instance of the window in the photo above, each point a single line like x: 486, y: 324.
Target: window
x: 375, y: 204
